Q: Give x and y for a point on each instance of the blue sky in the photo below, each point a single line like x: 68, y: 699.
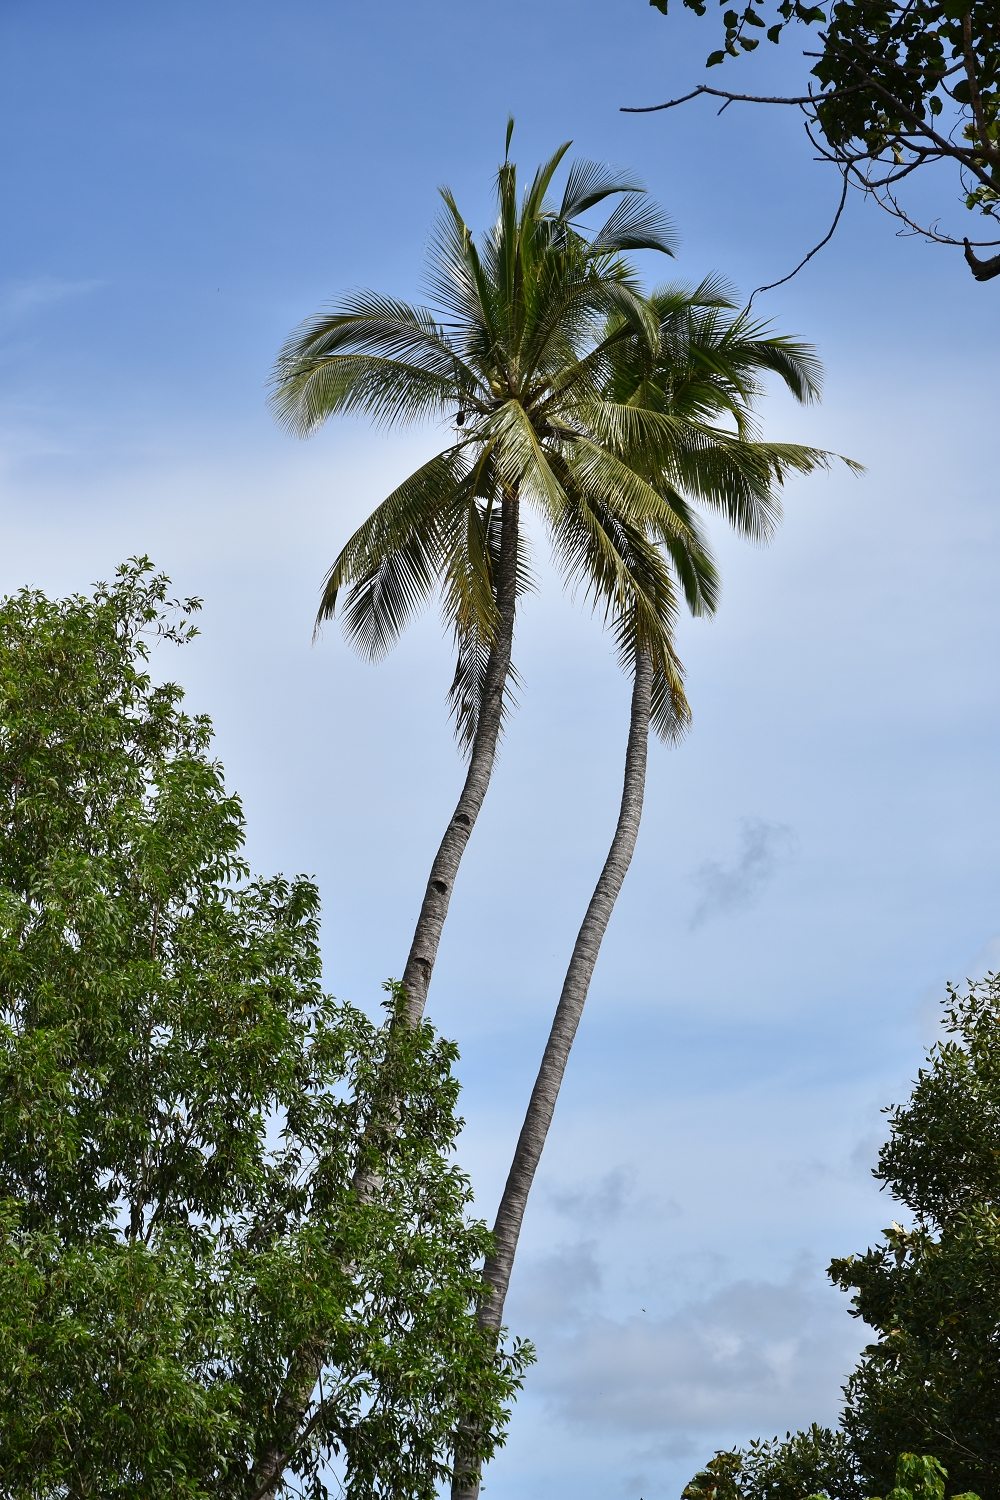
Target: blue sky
x: 181, y: 184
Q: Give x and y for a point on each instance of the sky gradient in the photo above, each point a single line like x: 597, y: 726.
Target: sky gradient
x: 181, y: 186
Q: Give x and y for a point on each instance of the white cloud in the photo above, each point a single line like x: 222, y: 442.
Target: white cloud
x: 19, y: 299
x: 763, y: 847
x: 599, y: 1203
x: 754, y: 1356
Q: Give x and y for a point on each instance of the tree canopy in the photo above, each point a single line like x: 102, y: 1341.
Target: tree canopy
x: 923, y: 1404
x: 931, y: 1291
x: 897, y: 87
x: 183, y: 1112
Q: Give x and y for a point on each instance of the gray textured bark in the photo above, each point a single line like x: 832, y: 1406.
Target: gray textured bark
x: 427, y: 934
x: 305, y: 1368
x: 538, y: 1118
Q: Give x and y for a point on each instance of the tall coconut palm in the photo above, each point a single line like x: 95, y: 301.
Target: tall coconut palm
x: 706, y: 366
x: 517, y: 351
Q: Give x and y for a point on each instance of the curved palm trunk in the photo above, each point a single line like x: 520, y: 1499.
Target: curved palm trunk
x: 434, y: 909
x: 538, y: 1118
x: 305, y: 1367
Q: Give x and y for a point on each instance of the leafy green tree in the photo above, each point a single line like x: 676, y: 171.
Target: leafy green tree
x: 930, y: 1383
x: 810, y: 1463
x: 183, y: 1115
x: 706, y: 370
x: 517, y: 350
x: 718, y: 1480
x: 898, y: 87
x: 814, y: 1462
x: 932, y: 1291
x: 921, y: 1477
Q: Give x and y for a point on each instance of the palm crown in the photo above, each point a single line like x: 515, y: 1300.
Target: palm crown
x: 568, y: 389
x: 518, y: 350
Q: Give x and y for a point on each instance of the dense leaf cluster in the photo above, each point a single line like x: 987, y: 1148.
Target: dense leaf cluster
x: 183, y: 1116
x: 557, y: 369
x: 811, y: 1463
x: 930, y: 1383
x: 898, y: 85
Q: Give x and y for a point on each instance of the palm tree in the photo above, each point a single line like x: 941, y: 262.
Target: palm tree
x: 707, y: 364
x: 518, y: 350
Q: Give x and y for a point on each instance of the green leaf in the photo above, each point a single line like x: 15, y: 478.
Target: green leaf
x: 166, y: 1252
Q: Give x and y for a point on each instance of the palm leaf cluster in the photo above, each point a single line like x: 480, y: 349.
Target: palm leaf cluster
x: 610, y: 414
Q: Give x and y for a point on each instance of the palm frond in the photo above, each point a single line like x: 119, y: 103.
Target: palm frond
x: 391, y: 564
x: 589, y: 183
x: 335, y: 362
x: 474, y: 621
x: 534, y: 201
x: 606, y: 479
x: 523, y: 463
x: 671, y: 712
x: 635, y: 224
x: 618, y: 568
x: 458, y: 282
x: 798, y: 364
x: 388, y: 391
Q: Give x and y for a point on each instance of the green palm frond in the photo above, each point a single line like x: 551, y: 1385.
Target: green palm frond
x: 392, y: 563
x: 635, y: 224
x: 613, y: 414
x: 589, y: 183
x: 671, y: 712
x: 472, y: 641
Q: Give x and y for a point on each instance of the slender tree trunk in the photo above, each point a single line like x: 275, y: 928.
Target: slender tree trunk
x: 307, y: 1362
x: 510, y: 1216
x: 427, y: 935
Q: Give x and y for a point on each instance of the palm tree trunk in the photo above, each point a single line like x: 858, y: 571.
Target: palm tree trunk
x: 427, y: 935
x: 307, y: 1362
x: 510, y: 1216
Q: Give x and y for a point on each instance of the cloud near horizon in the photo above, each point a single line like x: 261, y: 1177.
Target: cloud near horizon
x: 764, y: 847
x: 754, y: 1357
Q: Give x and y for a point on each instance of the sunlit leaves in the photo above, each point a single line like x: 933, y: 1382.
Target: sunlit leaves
x: 182, y: 1114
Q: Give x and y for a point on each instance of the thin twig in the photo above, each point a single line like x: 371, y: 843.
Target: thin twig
x: 703, y: 88
x: 824, y: 241
x: 893, y: 208
x: 844, y: 159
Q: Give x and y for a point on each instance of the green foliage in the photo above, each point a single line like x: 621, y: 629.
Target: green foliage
x: 814, y: 1462
x: 921, y: 1477
x: 718, y: 1480
x: 803, y: 1464
x: 529, y: 348
x: 898, y: 86
x: 932, y: 1292
x: 930, y: 1383
x: 182, y: 1112
x: 817, y: 1464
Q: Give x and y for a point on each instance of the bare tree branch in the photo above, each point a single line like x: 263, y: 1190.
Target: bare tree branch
x: 824, y: 241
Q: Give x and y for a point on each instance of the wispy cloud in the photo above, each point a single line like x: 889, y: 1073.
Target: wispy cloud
x: 753, y: 1356
x: 763, y: 848
x: 19, y: 299
x: 595, y: 1203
